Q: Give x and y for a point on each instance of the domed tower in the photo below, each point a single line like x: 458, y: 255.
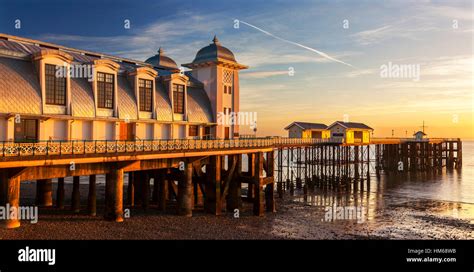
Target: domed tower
x: 163, y: 62
x: 215, y: 66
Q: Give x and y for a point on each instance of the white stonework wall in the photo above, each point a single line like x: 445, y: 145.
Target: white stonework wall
x: 149, y: 132
x: 53, y: 130
x: 80, y: 130
x: 179, y: 132
x: 164, y: 131
x: 103, y: 130
x: 87, y: 130
x: 338, y: 129
x: 3, y: 130
x: 144, y: 131
x: 295, y: 132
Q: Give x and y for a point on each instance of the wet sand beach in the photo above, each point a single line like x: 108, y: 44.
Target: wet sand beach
x: 394, y: 218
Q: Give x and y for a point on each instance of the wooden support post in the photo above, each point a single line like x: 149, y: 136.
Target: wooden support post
x: 185, y: 192
x: 163, y: 196
x: 3, y: 187
x: 356, y: 162
x: 251, y: 172
x: 44, y: 192
x: 288, y: 170
x: 280, y: 173
x: 114, y: 195
x: 145, y: 189
x: 333, y: 162
x: 156, y: 188
x: 213, y: 201
x: 138, y: 187
x: 91, y: 199
x: 76, y: 195
x: 291, y: 174
x: 405, y: 157
x: 11, y: 193
x: 459, y: 154
x: 258, y: 203
x: 60, y: 194
x: 451, y: 154
x: 131, y: 189
x: 270, y: 187
x: 234, y: 198
x: 377, y: 160
x: 368, y: 163
x: 299, y: 183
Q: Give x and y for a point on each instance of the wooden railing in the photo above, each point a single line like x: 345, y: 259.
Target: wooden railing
x: 46, y: 148
x: 394, y: 140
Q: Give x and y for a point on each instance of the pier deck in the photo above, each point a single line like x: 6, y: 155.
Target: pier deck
x: 207, y: 173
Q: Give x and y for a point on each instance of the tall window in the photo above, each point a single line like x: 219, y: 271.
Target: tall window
x: 26, y: 130
x: 228, y: 81
x: 178, y: 98
x: 193, y: 130
x: 146, y: 94
x: 105, y: 90
x: 55, y: 86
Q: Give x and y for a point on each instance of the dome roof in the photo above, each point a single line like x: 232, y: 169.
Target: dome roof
x: 162, y: 61
x: 213, y: 52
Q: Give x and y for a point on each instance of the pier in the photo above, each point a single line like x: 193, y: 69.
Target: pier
x: 207, y: 174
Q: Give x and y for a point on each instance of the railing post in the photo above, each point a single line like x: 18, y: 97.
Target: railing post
x: 60, y: 147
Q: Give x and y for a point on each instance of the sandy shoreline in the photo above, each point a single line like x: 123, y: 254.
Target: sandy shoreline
x: 293, y: 220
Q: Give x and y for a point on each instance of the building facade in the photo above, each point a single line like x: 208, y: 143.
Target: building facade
x: 350, y: 132
x: 308, y: 130
x: 52, y: 92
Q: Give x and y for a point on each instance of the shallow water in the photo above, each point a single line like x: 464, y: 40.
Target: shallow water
x: 449, y: 193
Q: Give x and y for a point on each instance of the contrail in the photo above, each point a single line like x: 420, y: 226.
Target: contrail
x: 297, y: 44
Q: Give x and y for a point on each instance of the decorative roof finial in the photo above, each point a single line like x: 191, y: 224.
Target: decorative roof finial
x: 161, y: 51
x: 215, y: 40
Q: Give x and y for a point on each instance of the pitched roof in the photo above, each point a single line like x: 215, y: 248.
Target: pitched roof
x: 199, y: 107
x: 127, y: 102
x: 418, y: 132
x: 24, y: 47
x: 351, y: 125
x: 164, y: 111
x: 82, y: 100
x: 21, y: 92
x: 306, y: 125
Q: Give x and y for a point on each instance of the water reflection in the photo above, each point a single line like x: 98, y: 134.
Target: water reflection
x: 397, y: 190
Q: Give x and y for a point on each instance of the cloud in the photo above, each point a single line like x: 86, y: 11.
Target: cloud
x: 361, y: 72
x: 322, y: 54
x: 449, y: 66
x: 263, y: 74
x: 402, y: 30
x: 373, y: 35
x: 424, y: 18
x: 451, y: 12
x: 180, y: 36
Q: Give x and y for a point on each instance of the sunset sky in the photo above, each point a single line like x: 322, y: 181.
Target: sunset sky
x: 437, y: 36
